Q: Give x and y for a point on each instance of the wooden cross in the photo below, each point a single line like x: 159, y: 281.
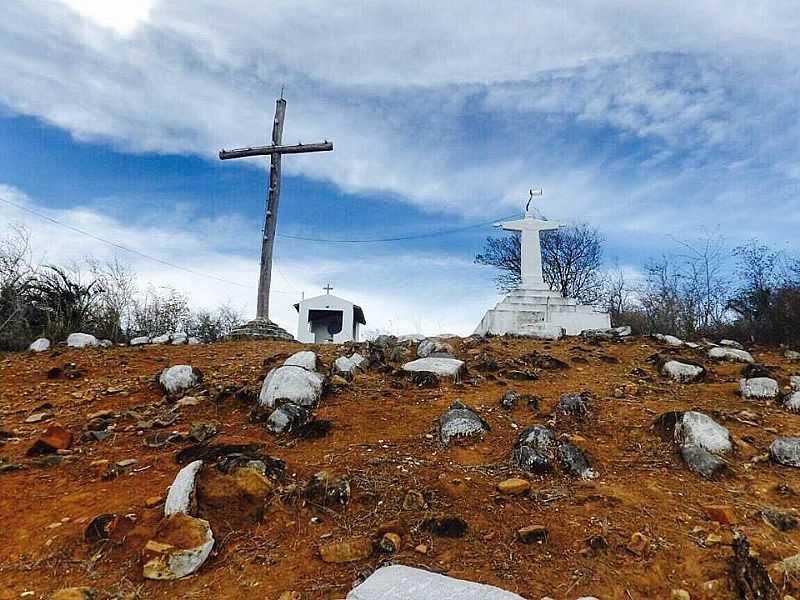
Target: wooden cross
x: 274, y: 151
x: 328, y: 289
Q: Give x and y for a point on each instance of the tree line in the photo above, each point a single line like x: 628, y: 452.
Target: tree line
x: 750, y: 292
x: 101, y: 298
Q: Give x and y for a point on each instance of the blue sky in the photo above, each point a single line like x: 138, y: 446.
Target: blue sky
x: 649, y: 120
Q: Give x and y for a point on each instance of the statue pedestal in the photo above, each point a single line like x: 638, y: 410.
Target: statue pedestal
x: 538, y: 312
x: 261, y: 329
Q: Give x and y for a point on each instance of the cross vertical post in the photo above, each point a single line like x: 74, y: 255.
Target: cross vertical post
x: 271, y: 216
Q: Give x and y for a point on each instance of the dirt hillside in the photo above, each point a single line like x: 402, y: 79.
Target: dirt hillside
x: 641, y: 529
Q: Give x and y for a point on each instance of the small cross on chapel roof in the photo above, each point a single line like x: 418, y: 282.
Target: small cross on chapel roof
x: 328, y: 289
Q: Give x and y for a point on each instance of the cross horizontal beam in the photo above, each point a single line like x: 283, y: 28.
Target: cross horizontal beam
x: 269, y: 150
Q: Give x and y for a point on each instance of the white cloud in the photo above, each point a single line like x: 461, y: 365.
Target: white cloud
x: 123, y: 16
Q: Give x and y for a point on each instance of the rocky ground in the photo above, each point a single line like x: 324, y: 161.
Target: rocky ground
x: 89, y: 432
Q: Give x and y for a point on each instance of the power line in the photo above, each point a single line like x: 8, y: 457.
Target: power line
x: 131, y: 250
x: 394, y: 239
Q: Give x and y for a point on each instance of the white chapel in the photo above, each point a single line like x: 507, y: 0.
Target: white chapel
x: 328, y: 319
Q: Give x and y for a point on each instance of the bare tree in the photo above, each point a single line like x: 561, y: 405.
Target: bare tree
x: 571, y: 259
x: 117, y: 283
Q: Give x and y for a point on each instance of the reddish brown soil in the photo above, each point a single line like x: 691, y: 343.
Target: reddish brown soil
x: 384, y: 440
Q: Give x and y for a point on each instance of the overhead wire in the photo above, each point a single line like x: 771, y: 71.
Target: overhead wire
x: 394, y: 239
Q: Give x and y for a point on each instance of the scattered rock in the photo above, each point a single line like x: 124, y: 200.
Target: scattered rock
x: 606, y: 334
x: 683, y: 372
x: 430, y: 346
x: 109, y: 526
x: 292, y: 384
x: 679, y: 594
x: 792, y: 355
x: 509, y: 399
x: 791, y: 402
x: 446, y: 526
x: 179, y: 378
x: 669, y: 340
x: 759, y: 387
x: 161, y: 339
x: 786, y: 451
x: 698, y: 429
x: 437, y: 366
x: 731, y: 354
x: 39, y: 416
x: 349, y: 366
x: 573, y: 404
x: 287, y: 417
x: 535, y: 449
x: 731, y: 344
x: 179, y: 547
x: 543, y: 361
x: 40, y: 345
x: 574, y: 462
x: 794, y: 382
x: 81, y: 340
x: 178, y: 339
x: 779, y: 520
x: 349, y: 550
x: 153, y: 501
x: 181, y: 496
x: 390, y: 543
x: 398, y: 581
x: 460, y: 421
x: 533, y: 534
x: 638, y: 544
x: 140, y: 341
x: 514, y: 486
x: 305, y: 359
x: 53, y: 439
x: 325, y: 489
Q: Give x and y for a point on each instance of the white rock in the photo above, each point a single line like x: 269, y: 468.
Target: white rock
x: 140, y: 341
x: 178, y: 378
x: 161, y: 339
x: 731, y: 344
x: 792, y: 354
x: 178, y: 339
x: 169, y: 562
x: 670, y: 340
x: 291, y: 384
x: 40, y: 345
x: 443, y: 367
x: 193, y: 341
x: 349, y: 365
x: 106, y: 343
x: 81, y: 340
x: 692, y: 345
x: 305, y: 359
x: 794, y: 381
x: 733, y: 354
x: 398, y: 582
x: 411, y: 337
x: 792, y: 402
x: 430, y: 345
x: 758, y: 387
x: 681, y: 371
x: 698, y: 429
x: 179, y: 498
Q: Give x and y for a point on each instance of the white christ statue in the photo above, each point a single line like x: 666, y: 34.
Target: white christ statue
x: 530, y: 247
